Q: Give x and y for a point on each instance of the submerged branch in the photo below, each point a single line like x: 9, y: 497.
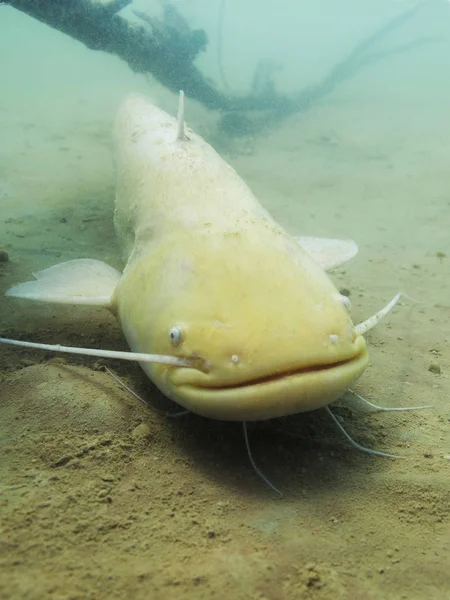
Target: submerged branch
x: 167, y: 49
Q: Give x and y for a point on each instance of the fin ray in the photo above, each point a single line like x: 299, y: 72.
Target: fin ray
x: 181, y: 134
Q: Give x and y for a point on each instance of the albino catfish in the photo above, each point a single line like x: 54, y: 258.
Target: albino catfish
x: 228, y: 314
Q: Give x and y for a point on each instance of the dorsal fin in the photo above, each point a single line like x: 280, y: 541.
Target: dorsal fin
x: 181, y: 135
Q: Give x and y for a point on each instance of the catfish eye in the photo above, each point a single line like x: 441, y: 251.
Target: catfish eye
x: 175, y: 335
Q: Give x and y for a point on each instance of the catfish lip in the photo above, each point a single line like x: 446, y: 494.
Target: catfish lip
x: 279, y: 375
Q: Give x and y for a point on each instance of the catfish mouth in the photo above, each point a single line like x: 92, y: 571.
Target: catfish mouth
x: 269, y: 395
x: 279, y: 376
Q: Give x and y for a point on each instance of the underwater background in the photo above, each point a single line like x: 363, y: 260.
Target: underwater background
x: 102, y: 497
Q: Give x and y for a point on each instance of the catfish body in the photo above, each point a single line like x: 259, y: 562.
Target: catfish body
x: 206, y: 259
x: 228, y: 314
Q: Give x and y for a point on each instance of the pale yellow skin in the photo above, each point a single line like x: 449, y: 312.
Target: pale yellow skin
x: 204, y: 256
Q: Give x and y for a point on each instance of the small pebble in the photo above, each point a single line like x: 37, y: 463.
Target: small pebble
x: 435, y: 368
x: 57, y: 360
x: 4, y: 257
x: 141, y: 431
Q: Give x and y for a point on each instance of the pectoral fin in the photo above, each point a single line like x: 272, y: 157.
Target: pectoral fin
x: 329, y: 253
x: 83, y: 281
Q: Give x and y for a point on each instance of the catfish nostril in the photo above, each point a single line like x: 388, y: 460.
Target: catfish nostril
x: 334, y: 339
x: 235, y: 359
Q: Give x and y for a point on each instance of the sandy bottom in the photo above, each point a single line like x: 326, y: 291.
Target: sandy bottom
x: 102, y: 497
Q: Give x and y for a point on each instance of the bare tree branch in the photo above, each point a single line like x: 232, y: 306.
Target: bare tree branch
x: 167, y: 49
